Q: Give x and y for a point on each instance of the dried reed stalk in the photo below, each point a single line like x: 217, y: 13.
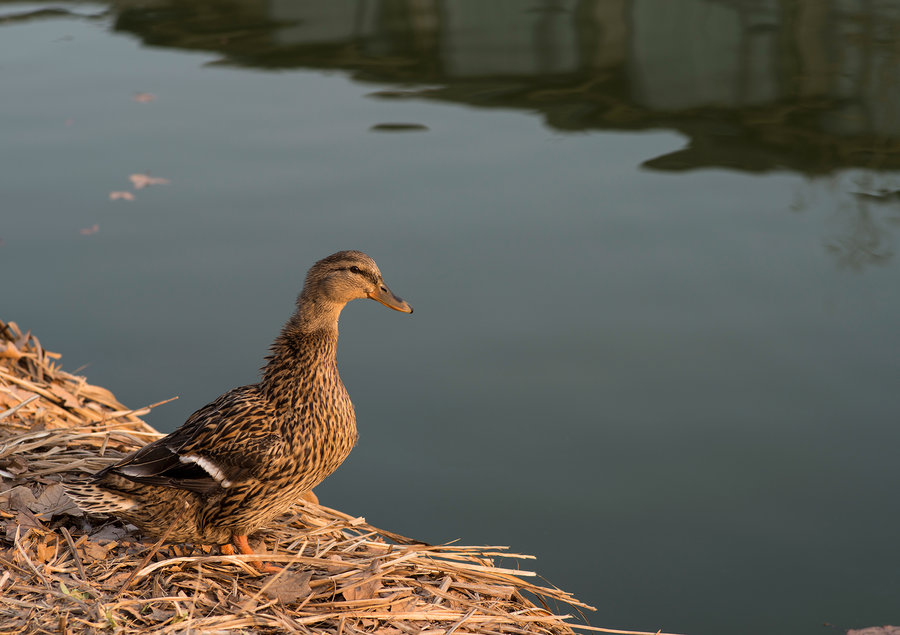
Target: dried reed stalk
x: 66, y: 572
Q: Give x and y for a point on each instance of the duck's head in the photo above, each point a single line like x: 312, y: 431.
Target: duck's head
x: 349, y: 275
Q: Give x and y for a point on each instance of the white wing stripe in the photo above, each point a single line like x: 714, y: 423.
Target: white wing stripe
x: 211, y: 468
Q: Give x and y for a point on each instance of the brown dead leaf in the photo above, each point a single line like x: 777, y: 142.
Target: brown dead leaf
x: 368, y: 587
x: 17, y: 498
x: 91, y: 551
x: 24, y: 521
x: 141, y: 181
x: 160, y: 616
x: 44, y: 550
x: 144, y: 98
x: 109, y: 532
x: 290, y: 588
x: 364, y: 591
x: 406, y: 605
x: 87, y: 231
x: 52, y: 501
x: 15, y: 466
x: 121, y: 195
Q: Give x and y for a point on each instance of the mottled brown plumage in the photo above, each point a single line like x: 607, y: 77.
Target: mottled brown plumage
x: 243, y: 459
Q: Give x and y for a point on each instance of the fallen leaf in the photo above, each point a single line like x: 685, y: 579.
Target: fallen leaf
x: 143, y: 98
x: 406, y: 605
x: 16, y: 498
x: 875, y: 630
x: 110, y: 532
x: 15, y: 466
x: 364, y: 591
x: 91, y: 551
x: 160, y: 616
x: 44, y: 551
x: 117, y: 580
x: 87, y: 231
x: 290, y: 588
x: 52, y: 501
x: 125, y: 196
x: 73, y: 593
x: 143, y: 180
x: 25, y: 520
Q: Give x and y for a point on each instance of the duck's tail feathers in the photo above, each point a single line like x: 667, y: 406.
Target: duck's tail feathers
x: 96, y: 499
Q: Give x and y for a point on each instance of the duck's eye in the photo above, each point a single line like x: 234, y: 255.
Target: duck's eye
x: 355, y: 269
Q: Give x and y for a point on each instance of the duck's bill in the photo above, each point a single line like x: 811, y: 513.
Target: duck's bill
x: 387, y: 298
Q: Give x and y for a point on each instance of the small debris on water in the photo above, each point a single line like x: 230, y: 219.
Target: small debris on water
x: 398, y: 127
x: 143, y: 180
x: 394, y: 94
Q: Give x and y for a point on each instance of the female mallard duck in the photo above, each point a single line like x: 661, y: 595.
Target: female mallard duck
x: 242, y: 460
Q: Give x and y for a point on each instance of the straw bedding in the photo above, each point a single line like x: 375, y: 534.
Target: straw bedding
x: 62, y: 571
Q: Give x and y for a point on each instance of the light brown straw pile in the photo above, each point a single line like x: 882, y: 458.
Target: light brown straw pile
x: 62, y: 571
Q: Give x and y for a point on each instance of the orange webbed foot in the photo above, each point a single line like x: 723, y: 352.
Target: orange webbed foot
x: 240, y: 541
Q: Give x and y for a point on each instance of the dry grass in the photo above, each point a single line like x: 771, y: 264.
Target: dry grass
x: 63, y: 571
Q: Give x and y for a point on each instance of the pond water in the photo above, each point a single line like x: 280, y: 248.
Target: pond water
x: 651, y: 248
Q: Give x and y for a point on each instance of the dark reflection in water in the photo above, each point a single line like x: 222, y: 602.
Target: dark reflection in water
x: 805, y: 86
x: 753, y: 85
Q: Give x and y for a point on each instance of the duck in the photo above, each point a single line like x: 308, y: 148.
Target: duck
x: 242, y: 460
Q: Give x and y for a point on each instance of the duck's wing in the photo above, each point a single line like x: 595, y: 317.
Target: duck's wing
x: 225, y: 442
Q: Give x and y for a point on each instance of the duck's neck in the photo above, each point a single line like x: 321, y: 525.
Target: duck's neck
x: 305, y: 348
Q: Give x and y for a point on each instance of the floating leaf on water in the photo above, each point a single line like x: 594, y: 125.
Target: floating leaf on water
x: 143, y: 98
x: 124, y: 196
x: 87, y: 231
x: 141, y: 181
